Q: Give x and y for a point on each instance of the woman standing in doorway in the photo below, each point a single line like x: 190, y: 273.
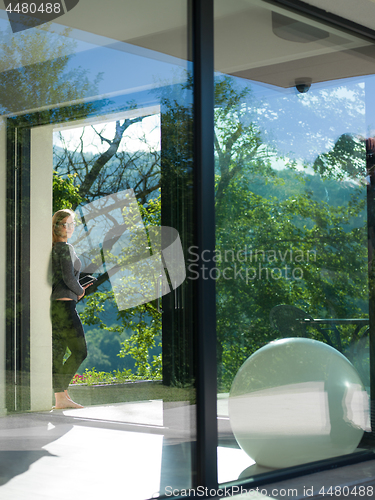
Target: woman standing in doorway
x: 67, y: 330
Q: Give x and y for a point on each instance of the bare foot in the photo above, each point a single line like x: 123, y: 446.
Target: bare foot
x: 63, y: 401
x: 67, y: 395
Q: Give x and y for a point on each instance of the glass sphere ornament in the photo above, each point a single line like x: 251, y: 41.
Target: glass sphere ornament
x: 295, y: 401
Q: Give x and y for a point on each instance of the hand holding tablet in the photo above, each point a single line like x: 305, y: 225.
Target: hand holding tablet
x: 86, y: 280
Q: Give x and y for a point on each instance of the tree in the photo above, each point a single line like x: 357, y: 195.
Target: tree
x: 110, y: 170
x: 35, y: 71
x: 141, y: 171
x: 143, y: 321
x: 294, y: 249
x: 280, y: 239
x: 85, y: 174
x: 65, y: 193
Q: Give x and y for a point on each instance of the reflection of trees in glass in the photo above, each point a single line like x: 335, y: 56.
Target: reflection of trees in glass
x: 86, y: 176
x: 297, y: 248
x: 346, y: 160
x: 303, y: 126
x: 301, y: 234
x: 177, y: 212
x: 140, y: 171
x: 36, y: 71
x: 143, y: 321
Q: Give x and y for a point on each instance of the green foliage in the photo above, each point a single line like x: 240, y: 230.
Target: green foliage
x: 94, y: 377
x: 103, y: 349
x: 279, y: 238
x: 347, y: 159
x: 267, y: 219
x: 143, y: 321
x: 151, y: 212
x: 300, y: 233
x: 41, y: 76
x: 141, y: 341
x: 65, y: 193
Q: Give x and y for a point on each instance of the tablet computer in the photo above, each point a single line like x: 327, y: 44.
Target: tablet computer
x: 86, y: 280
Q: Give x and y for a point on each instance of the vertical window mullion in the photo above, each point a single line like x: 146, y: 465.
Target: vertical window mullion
x: 203, y: 64
x: 18, y: 273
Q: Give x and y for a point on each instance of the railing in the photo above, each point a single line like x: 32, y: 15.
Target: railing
x: 332, y: 322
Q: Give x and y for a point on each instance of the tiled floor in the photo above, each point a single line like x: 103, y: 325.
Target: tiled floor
x: 67, y: 455
x: 351, y: 482
x: 129, y: 451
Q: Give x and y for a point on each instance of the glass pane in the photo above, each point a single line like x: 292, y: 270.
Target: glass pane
x: 294, y: 238
x: 99, y: 117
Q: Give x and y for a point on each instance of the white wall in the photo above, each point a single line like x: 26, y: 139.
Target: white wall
x: 40, y: 252
x: 40, y: 268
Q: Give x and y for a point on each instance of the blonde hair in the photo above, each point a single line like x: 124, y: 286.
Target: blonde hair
x: 57, y: 218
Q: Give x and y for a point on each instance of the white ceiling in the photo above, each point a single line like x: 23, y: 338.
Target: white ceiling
x: 359, y: 11
x: 245, y: 44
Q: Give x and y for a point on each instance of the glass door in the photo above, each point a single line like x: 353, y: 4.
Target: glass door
x: 99, y: 121
x: 294, y: 203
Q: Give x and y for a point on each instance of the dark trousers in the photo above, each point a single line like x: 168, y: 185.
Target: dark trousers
x: 67, y: 331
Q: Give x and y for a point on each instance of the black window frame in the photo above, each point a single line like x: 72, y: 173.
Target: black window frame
x: 203, y: 52
x: 201, y: 18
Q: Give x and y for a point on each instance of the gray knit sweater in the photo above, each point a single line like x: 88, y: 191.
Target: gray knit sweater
x: 66, y: 267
